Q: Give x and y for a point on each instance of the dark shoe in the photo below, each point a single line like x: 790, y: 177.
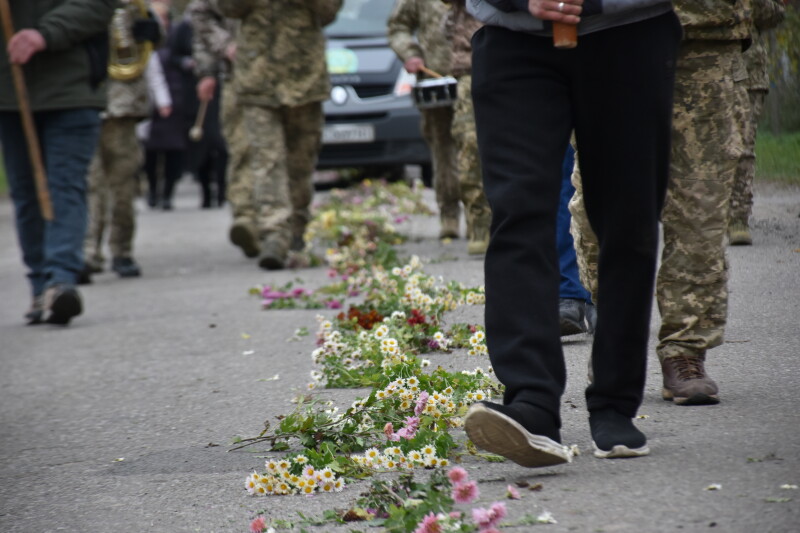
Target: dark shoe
x: 244, y: 236
x: 35, y: 314
x: 449, y: 227
x: 271, y: 257
x: 520, y: 432
x: 686, y: 382
x: 591, y: 318
x: 85, y: 274
x: 739, y: 234
x: 614, y: 435
x: 126, y: 267
x: 166, y: 205
x: 61, y: 303
x: 572, y: 316
x: 152, y: 199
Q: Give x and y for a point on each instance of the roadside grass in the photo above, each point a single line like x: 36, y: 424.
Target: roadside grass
x: 778, y: 158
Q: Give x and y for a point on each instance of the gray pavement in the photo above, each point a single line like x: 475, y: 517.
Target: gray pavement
x: 121, y: 422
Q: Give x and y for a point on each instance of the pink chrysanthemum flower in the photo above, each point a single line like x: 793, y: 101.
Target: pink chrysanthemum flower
x: 258, y: 524
x: 422, y: 401
x: 512, y: 493
x: 457, y: 475
x: 499, y: 510
x: 466, y: 492
x: 429, y: 524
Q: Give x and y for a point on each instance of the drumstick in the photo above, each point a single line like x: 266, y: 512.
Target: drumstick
x: 196, y: 133
x: 565, y: 35
x: 430, y: 72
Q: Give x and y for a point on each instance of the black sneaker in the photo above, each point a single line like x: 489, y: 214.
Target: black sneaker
x: 502, y: 429
x: 572, y: 316
x: 614, y: 435
x: 61, y: 303
x: 126, y: 267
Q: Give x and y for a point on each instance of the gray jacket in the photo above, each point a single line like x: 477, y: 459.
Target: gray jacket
x: 597, y: 14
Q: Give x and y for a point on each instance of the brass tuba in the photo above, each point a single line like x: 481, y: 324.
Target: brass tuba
x: 127, y: 58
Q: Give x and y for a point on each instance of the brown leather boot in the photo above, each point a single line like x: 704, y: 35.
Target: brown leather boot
x: 686, y: 382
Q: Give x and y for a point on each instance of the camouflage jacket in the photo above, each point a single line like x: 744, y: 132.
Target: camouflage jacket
x: 425, y: 19
x: 767, y: 14
x: 715, y: 20
x: 459, y: 27
x: 128, y: 98
x: 211, y: 35
x: 280, y: 50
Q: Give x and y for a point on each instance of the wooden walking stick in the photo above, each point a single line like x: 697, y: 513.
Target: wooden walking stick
x: 34, y: 151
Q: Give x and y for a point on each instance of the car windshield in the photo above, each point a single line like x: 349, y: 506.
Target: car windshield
x: 361, y: 18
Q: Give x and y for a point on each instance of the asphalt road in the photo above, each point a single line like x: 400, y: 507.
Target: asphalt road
x: 121, y: 422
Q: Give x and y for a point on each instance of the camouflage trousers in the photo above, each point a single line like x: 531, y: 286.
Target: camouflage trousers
x: 691, y: 291
x: 112, y: 190
x: 476, y: 207
x: 273, y: 155
x: 436, y: 128
x: 742, y: 194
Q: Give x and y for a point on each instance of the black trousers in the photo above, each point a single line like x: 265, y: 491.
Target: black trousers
x: 615, y: 91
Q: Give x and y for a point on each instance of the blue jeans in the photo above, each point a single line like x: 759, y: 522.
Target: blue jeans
x: 52, y: 251
x: 570, y: 285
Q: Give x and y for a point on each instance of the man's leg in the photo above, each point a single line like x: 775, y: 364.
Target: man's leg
x: 710, y: 103
x: 437, y: 129
x: 124, y: 159
x: 742, y: 193
x: 573, y: 298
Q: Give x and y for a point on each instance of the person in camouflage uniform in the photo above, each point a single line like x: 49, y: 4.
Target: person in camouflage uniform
x: 459, y: 27
x: 430, y: 49
x: 280, y: 83
x: 113, y: 183
x: 710, y: 108
x: 213, y: 51
x: 767, y: 14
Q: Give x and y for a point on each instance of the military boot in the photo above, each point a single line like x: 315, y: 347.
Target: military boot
x: 245, y: 236
x: 739, y: 234
x: 477, y: 234
x: 273, y: 256
x: 686, y: 382
x: 448, y: 226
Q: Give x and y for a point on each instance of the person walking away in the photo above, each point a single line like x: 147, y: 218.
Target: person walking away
x: 615, y: 91
x: 281, y: 81
x: 416, y: 36
x: 767, y: 14
x: 459, y: 27
x: 59, y: 46
x: 113, y: 172
x: 711, y: 109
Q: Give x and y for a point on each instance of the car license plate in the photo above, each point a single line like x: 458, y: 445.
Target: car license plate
x: 348, y: 133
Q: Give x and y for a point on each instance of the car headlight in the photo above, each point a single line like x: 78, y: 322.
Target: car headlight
x: 405, y: 82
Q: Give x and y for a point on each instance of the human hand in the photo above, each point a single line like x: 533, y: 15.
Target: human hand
x: 23, y: 45
x: 414, y: 64
x: 164, y: 111
x: 566, y: 11
x: 206, y: 87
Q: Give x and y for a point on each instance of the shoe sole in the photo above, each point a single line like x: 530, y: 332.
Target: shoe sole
x: 695, y: 399
x: 64, y: 307
x: 244, y: 239
x: 620, y: 451
x: 570, y: 327
x: 499, y: 434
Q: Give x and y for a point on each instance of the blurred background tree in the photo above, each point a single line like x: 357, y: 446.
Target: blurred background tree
x: 783, y: 102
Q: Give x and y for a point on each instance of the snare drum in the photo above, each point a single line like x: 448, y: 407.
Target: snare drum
x: 435, y: 92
